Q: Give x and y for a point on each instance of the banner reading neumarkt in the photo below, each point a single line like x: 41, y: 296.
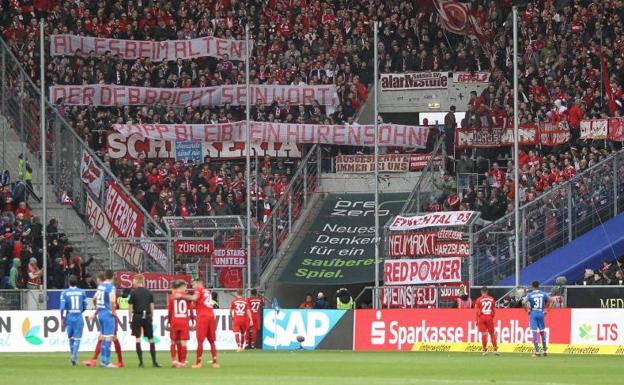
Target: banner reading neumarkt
x: 339, y: 248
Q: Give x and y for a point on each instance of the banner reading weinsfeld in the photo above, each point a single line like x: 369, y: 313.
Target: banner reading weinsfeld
x: 414, y: 81
x: 422, y: 271
x: 269, y: 132
x: 437, y: 219
x: 123, y: 215
x: 208, y: 46
x: 106, y: 95
x: 153, y: 281
x: 41, y: 331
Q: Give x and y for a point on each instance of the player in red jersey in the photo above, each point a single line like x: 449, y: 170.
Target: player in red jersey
x: 179, y: 311
x: 242, y: 320
x: 206, y: 326
x: 256, y: 304
x: 486, y: 309
x: 98, y: 347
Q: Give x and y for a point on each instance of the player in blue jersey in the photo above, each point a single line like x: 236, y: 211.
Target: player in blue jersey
x: 73, y: 304
x: 538, y: 304
x: 105, y: 303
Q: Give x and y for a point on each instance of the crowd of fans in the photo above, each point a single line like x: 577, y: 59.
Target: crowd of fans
x: 323, y: 42
x: 609, y: 273
x: 21, y: 242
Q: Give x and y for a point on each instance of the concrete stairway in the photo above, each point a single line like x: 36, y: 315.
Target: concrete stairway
x: 85, y: 244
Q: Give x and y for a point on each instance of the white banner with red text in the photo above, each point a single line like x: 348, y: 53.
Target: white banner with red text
x: 495, y: 137
x: 425, y: 244
x: 594, y: 129
x: 156, y: 51
x: 229, y: 258
x: 437, y: 219
x: 611, y: 128
x: 91, y: 174
x: 413, y: 297
x: 422, y: 271
x: 414, y: 81
x: 267, y: 132
x: 138, y: 147
x: 152, y: 281
x: 466, y: 77
x: 42, y: 331
x: 106, y: 95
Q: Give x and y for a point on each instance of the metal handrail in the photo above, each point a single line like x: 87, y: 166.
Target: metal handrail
x: 408, y: 207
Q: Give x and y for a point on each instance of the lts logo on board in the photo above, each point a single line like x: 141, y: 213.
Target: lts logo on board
x: 598, y: 326
x: 294, y: 329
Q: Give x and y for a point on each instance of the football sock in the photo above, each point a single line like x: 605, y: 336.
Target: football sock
x: 200, y: 351
x: 213, y: 351
x: 153, y: 351
x: 139, y: 352
x: 106, y: 352
x: 543, y: 336
x: 484, y: 338
x: 493, y: 338
x: 183, y: 351
x: 98, y: 349
x: 118, y: 350
x: 535, y: 344
x: 174, y: 352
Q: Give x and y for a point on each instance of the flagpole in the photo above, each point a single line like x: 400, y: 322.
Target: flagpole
x: 42, y: 134
x: 516, y: 148
x: 248, y: 156
x: 376, y: 176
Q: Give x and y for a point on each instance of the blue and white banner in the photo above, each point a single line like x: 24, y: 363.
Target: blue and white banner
x: 188, y: 151
x: 282, y: 327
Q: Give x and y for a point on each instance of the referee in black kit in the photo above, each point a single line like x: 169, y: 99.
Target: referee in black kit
x: 141, y: 310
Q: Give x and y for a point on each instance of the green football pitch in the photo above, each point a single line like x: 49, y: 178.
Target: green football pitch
x: 323, y: 368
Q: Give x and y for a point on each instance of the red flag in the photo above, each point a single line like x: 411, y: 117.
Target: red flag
x: 456, y: 17
x: 607, y: 85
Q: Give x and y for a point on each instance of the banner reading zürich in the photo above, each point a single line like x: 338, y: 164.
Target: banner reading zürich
x: 339, y: 245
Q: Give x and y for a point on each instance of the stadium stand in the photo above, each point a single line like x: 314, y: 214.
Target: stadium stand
x: 570, y: 51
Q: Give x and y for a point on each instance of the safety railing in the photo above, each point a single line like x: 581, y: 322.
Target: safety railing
x: 288, y: 209
x: 65, y: 149
x: 553, y: 219
x: 11, y: 299
x: 425, y: 190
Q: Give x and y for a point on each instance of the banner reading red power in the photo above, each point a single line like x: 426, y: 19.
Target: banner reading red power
x: 422, y: 271
x: 123, y: 215
x: 153, y: 281
x: 403, y: 329
x: 194, y: 247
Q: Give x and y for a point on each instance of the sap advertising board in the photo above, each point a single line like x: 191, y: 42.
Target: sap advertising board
x: 320, y: 329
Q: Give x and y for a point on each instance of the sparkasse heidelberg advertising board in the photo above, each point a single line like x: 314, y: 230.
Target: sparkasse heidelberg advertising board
x: 41, y: 331
x: 451, y: 330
